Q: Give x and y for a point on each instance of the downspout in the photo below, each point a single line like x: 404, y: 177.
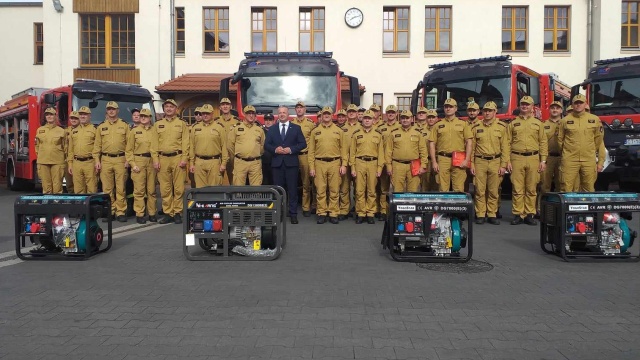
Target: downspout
x: 173, y: 38
x: 589, y: 35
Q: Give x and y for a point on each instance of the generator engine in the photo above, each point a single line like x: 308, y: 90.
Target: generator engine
x: 614, y: 236
x: 67, y: 235
x: 443, y: 231
x: 442, y: 236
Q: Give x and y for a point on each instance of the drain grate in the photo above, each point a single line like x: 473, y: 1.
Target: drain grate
x: 473, y: 266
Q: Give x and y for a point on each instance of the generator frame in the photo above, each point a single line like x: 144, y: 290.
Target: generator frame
x: 249, y: 210
x: 426, y: 204
x: 90, y: 206
x: 554, y: 208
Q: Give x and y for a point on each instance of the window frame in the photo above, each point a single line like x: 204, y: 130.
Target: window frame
x: 513, y: 29
x: 38, y: 33
x: 312, y: 30
x: 395, y: 31
x: 555, y: 27
x: 402, y: 106
x: 180, y: 30
x: 108, y: 41
x: 628, y: 26
x: 264, y: 11
x: 216, y: 31
x: 381, y: 95
x: 437, y: 30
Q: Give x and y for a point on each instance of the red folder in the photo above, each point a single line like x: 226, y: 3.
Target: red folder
x: 416, y: 165
x: 457, y: 158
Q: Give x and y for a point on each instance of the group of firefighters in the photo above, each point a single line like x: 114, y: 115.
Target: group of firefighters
x: 358, y: 151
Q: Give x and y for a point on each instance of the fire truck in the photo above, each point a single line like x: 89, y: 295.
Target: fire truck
x: 613, y: 93
x: 21, y: 116
x: 267, y: 80
x: 494, y: 79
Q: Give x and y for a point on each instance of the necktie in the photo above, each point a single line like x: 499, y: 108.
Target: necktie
x: 282, y: 133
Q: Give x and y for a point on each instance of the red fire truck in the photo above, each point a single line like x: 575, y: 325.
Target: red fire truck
x: 24, y: 113
x: 489, y: 79
x: 267, y: 80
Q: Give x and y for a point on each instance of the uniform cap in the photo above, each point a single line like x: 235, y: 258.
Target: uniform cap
x: 50, y: 111
x: 268, y: 117
x: 74, y: 114
x: 526, y: 100
x: 84, y: 110
x: 374, y: 107
x: 362, y: 109
x: 556, y: 103
x: 327, y: 109
x: 300, y: 103
x: 432, y: 113
x: 248, y: 108
x: 197, y: 110
x: 473, y: 105
x: 352, y: 107
x: 170, y: 101
x: 368, y: 114
x: 490, y: 105
x: 422, y: 109
x: 206, y: 109
x: 342, y: 112
x: 225, y: 101
x: 579, y: 97
x: 391, y: 108
x: 569, y: 108
x: 145, y: 112
x: 451, y: 101
x: 135, y: 110
x: 112, y: 104
x: 406, y: 113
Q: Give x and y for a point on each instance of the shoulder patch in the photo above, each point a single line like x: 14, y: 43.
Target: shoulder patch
x: 441, y: 126
x: 197, y: 129
x: 240, y: 128
x: 592, y: 121
x: 547, y: 126
x: 42, y: 131
x: 138, y: 132
x: 397, y: 135
x: 359, y: 136
x: 517, y: 124
x: 569, y: 121
x: 479, y: 131
x: 345, y: 129
x: 161, y: 126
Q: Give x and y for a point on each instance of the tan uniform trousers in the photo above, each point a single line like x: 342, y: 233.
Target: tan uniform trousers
x: 384, y: 182
x: 550, y: 176
x: 69, y: 179
x: 144, y: 186
x: 328, y: 180
x: 171, y: 178
x: 207, y: 172
x: 366, y: 181
x: 578, y: 175
x: 487, y: 183
x: 84, y: 177
x: 306, y: 182
x: 428, y: 181
x: 113, y: 176
x: 51, y: 177
x: 243, y: 169
x: 450, y: 175
x: 401, y: 178
x: 345, y: 192
x: 525, y: 179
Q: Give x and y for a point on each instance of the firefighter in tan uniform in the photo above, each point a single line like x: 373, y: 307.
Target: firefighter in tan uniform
x: 450, y: 135
x: 208, y: 153
x: 198, y: 117
x: 403, y: 146
x: 351, y: 126
x: 489, y: 158
x: 580, y: 138
x: 306, y: 125
x: 527, y: 161
x: 74, y: 121
x: 246, y: 144
x: 51, y: 146
x: 327, y: 162
x: 228, y: 121
x: 551, y: 175
x: 377, y: 120
x: 425, y: 120
x: 143, y: 174
x: 366, y: 159
x: 170, y: 152
x: 109, y: 157
x: 473, y: 110
x: 80, y: 154
x: 385, y: 181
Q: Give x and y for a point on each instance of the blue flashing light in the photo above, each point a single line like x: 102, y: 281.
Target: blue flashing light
x: 616, y: 60
x: 253, y: 55
x: 471, y: 61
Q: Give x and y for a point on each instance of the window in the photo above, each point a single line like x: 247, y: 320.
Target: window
x: 630, y: 29
x: 514, y: 29
x: 264, y: 29
x: 180, y: 41
x: 107, y: 41
x: 430, y: 101
x: 437, y: 27
x: 377, y: 99
x: 404, y: 103
x: 38, y: 44
x: 311, y: 29
x: 556, y: 28
x: 395, y: 29
x: 216, y: 30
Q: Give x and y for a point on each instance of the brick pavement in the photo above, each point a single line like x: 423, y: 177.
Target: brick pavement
x: 333, y: 294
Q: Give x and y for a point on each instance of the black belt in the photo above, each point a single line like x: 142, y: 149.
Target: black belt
x: 303, y: 152
x: 143, y: 155
x: 403, y: 161
x: 442, y: 153
x: 488, y: 157
x: 113, y: 155
x: 248, y: 159
x: 328, y: 159
x: 171, y: 154
x: 366, y: 158
x: 554, y: 154
x: 530, y: 153
x: 79, y: 158
x: 208, y: 157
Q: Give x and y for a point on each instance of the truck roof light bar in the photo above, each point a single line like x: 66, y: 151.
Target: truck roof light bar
x: 471, y: 61
x: 616, y: 60
x: 108, y: 82
x: 253, y: 55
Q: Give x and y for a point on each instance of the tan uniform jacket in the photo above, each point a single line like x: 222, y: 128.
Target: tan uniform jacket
x: 551, y: 130
x: 228, y: 124
x: 450, y: 135
x: 406, y: 145
x: 580, y: 136
x: 111, y: 138
x: 81, y: 142
x: 306, y: 125
x: 327, y: 142
x: 139, y: 142
x: 490, y: 140
x: 246, y: 141
x: 208, y: 140
x: 171, y: 135
x: 51, y: 145
x: 527, y: 135
x: 369, y: 144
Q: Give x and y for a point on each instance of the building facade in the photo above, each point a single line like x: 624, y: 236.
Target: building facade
x: 387, y: 44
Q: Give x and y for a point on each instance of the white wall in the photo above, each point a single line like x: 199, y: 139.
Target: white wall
x: 17, y: 71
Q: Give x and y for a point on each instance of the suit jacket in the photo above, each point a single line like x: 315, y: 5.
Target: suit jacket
x: 294, y: 139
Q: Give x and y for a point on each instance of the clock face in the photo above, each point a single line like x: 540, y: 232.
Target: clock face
x: 353, y: 17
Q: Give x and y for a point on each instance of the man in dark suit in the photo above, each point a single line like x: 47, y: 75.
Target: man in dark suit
x: 285, y: 141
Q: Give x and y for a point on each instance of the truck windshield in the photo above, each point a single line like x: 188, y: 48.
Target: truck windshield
x: 481, y: 90
x: 616, y: 93
x: 98, y: 106
x: 271, y: 91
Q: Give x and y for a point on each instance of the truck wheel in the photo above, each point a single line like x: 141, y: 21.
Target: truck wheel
x: 13, y: 183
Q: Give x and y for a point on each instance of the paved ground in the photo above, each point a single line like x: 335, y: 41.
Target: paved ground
x: 333, y: 294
